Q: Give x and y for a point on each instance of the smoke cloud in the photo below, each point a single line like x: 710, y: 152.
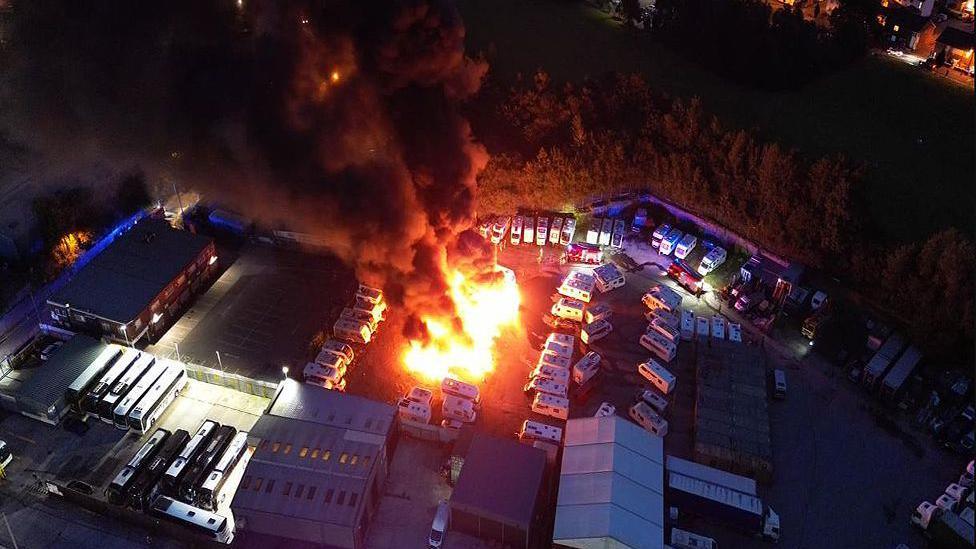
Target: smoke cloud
x: 335, y: 118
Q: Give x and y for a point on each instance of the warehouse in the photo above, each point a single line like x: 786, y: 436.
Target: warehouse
x: 611, y: 486
x: 497, y: 492
x: 317, y: 474
x: 137, y: 285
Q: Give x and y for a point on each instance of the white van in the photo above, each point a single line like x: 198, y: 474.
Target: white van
x: 735, y: 332
x: 595, y: 331
x: 685, y: 247
x: 654, y: 400
x: 662, y: 347
x: 658, y: 235
x: 605, y: 231
x: 352, y: 331
x: 593, y: 232
x: 562, y: 339
x: 568, y: 308
x: 664, y: 329
x: 712, y: 260
x: 703, y: 327
x: 555, y: 360
x: 339, y: 348
x: 662, y: 297
x: 528, y: 230
x: 718, y: 327
x: 458, y: 408
x: 687, y: 324
x: 442, y: 519
x: 608, y: 277
x: 600, y: 311
x: 646, y: 417
x: 413, y: 411
x: 658, y: 375
x: 540, y: 385
x: 569, y: 231
x: 535, y: 430
x: 516, y: 234
x: 558, y: 349
x: 578, y: 287
x: 669, y: 242
x: 779, y: 384
x: 454, y: 387
x: 542, y: 231
x: 555, y: 230
x: 548, y: 371
x: 586, y: 367
x: 549, y: 405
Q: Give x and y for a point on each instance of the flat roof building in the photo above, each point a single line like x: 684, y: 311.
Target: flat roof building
x: 611, y: 486
x: 316, y: 476
x: 138, y: 282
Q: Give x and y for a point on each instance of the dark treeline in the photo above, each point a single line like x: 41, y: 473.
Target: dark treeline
x: 564, y: 146
x: 749, y: 42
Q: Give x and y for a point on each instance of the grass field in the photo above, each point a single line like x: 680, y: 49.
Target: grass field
x: 914, y: 133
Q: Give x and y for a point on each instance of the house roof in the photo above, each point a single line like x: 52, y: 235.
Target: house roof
x: 479, y: 490
x: 956, y: 38
x: 120, y: 282
x: 611, y: 485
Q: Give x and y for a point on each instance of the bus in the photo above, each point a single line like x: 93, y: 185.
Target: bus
x: 197, y: 472
x: 106, y: 406
x: 83, y: 383
x: 212, y: 525
x: 174, y: 473
x: 144, y: 487
x: 116, y: 489
x: 89, y: 402
x: 120, y: 417
x: 158, y: 397
x: 208, y: 496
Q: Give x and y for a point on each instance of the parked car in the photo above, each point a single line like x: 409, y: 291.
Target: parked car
x: 748, y: 301
x: 442, y: 518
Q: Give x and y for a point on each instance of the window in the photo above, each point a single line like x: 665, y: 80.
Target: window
x: 245, y: 482
x: 257, y: 484
x: 315, y: 453
x: 191, y: 514
x: 287, y: 449
x: 342, y: 497
x: 287, y: 489
x: 352, y: 499
x: 270, y: 487
x: 304, y: 452
x: 326, y: 455
x: 355, y: 458
x: 343, y: 458
x: 328, y: 495
x: 311, y: 492
x: 264, y: 444
x: 300, y: 491
x: 275, y: 446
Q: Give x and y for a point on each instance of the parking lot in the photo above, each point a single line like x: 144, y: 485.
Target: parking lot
x: 261, y: 313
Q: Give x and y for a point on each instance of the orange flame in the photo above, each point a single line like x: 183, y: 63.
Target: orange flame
x: 484, y: 310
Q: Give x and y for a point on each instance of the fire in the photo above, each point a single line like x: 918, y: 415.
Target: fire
x: 484, y: 309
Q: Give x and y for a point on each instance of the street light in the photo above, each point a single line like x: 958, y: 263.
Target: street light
x: 284, y: 371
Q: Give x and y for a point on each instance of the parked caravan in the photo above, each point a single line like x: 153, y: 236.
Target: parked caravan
x: 586, y: 367
x: 540, y: 385
x: 555, y: 360
x: 608, y: 277
x: 360, y: 316
x: 324, y: 376
x: 413, y: 411
x: 662, y: 297
x: 549, y: 405
x: 342, y: 349
x: 598, y: 311
x: 703, y: 327
x: 671, y: 319
x: 659, y: 233
x: 605, y: 231
x: 718, y: 327
x: 661, y: 346
x: 595, y: 331
x: 669, y: 242
x: 562, y: 339
x: 568, y: 308
x: 352, y: 331
x: 579, y: 286
x: 664, y: 329
x: 617, y: 238
x: 548, y: 371
x: 685, y: 246
x: 646, y: 417
x: 555, y: 230
x: 542, y: 231
x: 653, y: 399
x: 558, y: 349
x: 687, y: 324
x: 593, y: 232
x: 779, y: 384
x: 516, y: 234
x: 658, y: 375
x: 534, y: 430
x: 712, y: 260
x: 373, y: 295
x: 451, y: 386
x: 735, y: 332
x: 458, y: 408
x: 569, y: 231
x: 528, y: 230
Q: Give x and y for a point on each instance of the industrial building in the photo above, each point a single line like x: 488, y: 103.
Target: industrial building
x: 137, y: 284
x: 317, y: 473
x: 497, y: 491
x: 611, y: 486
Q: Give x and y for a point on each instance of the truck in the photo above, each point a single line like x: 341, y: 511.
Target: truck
x: 813, y: 322
x: 745, y: 512
x: 882, y: 360
x: 949, y: 531
x: 738, y: 483
x: 892, y: 383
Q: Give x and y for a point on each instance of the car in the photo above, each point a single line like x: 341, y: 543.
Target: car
x: 746, y: 302
x: 442, y: 517
x: 50, y: 349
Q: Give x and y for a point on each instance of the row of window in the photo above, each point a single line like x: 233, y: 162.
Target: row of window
x: 314, y: 453
x: 300, y: 490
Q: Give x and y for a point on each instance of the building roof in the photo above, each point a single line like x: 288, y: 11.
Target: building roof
x: 47, y: 386
x: 956, y: 38
x: 120, y: 282
x: 611, y: 485
x: 770, y: 268
x: 479, y: 491
x: 314, y: 438
x: 907, y: 19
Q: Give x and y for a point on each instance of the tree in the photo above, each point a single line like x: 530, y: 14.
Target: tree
x: 131, y: 193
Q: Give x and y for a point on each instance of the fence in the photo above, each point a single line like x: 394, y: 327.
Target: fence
x: 709, y: 228
x: 233, y: 381
x: 424, y: 431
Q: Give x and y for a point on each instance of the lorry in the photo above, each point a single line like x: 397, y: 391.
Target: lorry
x: 711, y: 501
x: 692, y: 469
x: 892, y: 383
x: 882, y: 361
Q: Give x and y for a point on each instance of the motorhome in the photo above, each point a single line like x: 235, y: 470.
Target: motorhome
x: 458, y: 408
x: 617, y: 238
x: 528, y: 230
x: 659, y: 233
x: 568, y: 232
x: 608, y: 277
x: 598, y: 311
x: 646, y: 417
x: 605, y: 410
x: 718, y: 327
x: 735, y: 332
x: 586, y: 367
x: 568, y: 308
x: 535, y: 430
x: 703, y: 328
x: 712, y: 260
x: 593, y: 232
x: 555, y: 230
x: 454, y: 387
x: 516, y: 233
x: 685, y: 246
x: 550, y: 405
x: 595, y: 331
x: 669, y: 242
x: 658, y: 375
x: 662, y: 297
x: 542, y: 231
x: 540, y: 385
x: 350, y: 330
